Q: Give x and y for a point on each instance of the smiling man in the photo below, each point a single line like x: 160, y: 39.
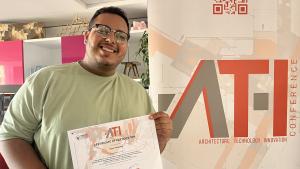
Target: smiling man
x: 106, y: 43
x: 65, y: 97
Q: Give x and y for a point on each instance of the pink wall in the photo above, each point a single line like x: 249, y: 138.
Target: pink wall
x: 72, y: 48
x: 11, y: 63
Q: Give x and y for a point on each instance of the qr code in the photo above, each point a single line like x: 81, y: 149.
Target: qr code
x: 231, y: 7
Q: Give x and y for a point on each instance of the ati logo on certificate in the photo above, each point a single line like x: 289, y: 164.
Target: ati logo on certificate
x: 121, y: 144
x: 116, y: 131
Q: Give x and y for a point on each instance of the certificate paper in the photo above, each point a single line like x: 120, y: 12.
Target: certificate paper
x: 125, y: 144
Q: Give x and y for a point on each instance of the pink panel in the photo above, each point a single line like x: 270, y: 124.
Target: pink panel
x: 72, y: 48
x: 11, y: 63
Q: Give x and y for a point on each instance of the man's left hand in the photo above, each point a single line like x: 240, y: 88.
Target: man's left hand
x: 164, y: 128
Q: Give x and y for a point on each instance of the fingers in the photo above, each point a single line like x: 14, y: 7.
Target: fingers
x: 163, y: 123
x: 163, y: 134
x: 162, y: 120
x: 165, y: 126
x: 158, y: 115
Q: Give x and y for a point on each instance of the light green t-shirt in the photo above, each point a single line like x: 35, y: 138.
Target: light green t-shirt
x: 64, y: 97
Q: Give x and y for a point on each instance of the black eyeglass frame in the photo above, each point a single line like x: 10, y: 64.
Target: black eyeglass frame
x: 111, y: 30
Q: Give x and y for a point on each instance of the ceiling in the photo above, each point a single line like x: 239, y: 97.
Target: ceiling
x: 61, y: 12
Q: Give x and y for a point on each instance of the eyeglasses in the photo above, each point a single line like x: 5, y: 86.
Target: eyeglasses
x: 104, y: 31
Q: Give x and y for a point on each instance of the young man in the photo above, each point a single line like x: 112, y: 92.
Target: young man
x: 64, y: 97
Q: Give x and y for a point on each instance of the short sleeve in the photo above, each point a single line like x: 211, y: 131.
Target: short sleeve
x: 22, y: 117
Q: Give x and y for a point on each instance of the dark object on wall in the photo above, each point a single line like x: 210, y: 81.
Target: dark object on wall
x: 1, y: 107
x: 4, y: 102
x: 33, y: 30
x: 9, y: 88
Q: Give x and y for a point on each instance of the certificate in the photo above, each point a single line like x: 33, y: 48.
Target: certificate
x: 125, y: 144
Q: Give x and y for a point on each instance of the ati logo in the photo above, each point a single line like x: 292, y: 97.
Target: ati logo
x: 204, y: 80
x: 114, y: 132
